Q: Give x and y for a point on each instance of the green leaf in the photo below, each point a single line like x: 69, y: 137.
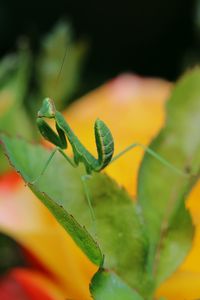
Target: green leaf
x: 162, y: 193
x: 119, y: 231
x: 117, y: 228
x: 59, y: 64
x: 107, y: 286
x: 14, y: 78
x: 29, y: 161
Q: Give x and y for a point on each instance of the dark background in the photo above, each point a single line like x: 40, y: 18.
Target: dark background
x: 147, y: 37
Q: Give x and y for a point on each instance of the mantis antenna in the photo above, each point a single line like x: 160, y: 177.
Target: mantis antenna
x: 62, y: 65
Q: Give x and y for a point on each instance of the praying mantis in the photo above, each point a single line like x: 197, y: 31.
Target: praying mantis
x: 103, y: 136
x: 104, y: 144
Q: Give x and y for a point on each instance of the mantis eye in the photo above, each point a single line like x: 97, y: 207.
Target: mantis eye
x: 48, y: 109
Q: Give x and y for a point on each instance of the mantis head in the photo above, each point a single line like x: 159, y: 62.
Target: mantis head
x: 48, y: 109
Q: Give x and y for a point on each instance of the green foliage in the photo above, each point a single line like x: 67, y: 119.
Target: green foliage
x: 59, y: 64
x: 162, y: 198
x: 107, y: 286
x: 29, y: 167
x: 115, y: 214
x: 14, y: 77
x: 26, y: 79
x: 114, y: 211
x: 136, y: 246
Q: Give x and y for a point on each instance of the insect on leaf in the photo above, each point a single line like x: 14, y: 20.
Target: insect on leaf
x: 28, y: 159
x: 60, y: 189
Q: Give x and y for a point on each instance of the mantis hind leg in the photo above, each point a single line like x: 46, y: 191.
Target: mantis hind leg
x: 84, y: 179
x: 153, y: 154
x: 49, y: 160
x: 45, y: 166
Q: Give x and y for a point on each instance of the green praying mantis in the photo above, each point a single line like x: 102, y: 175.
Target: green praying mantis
x: 103, y: 136
x: 104, y: 144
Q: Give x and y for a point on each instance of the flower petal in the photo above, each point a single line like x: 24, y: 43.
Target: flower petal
x: 182, y: 285
x: 28, y: 285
